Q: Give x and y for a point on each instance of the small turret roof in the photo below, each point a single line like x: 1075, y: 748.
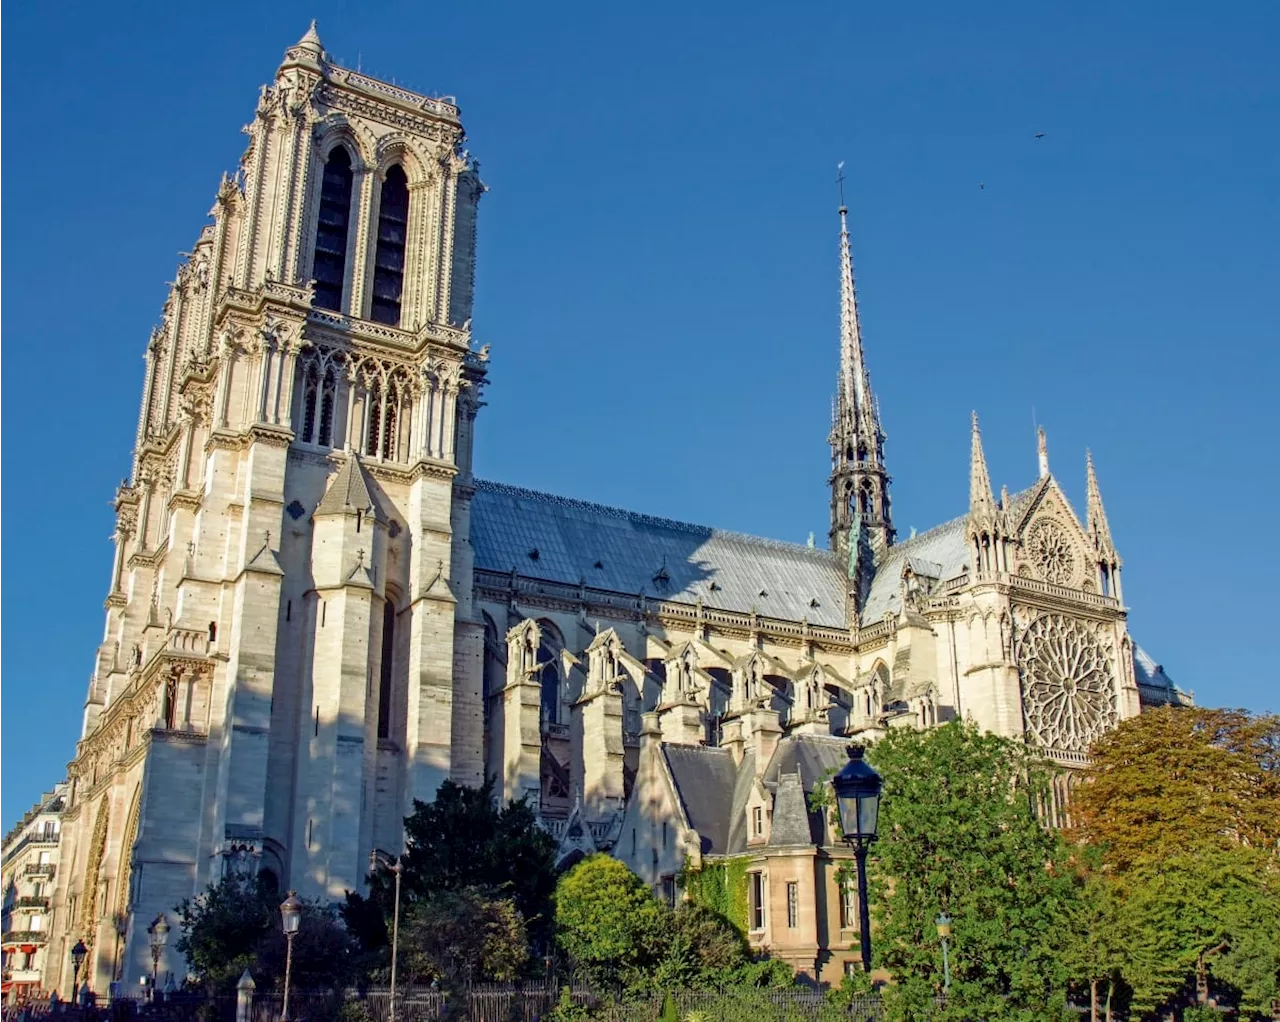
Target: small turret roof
x: 350, y: 492
x: 311, y: 40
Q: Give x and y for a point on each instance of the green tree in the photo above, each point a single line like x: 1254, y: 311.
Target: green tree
x: 1204, y: 925
x: 609, y: 923
x: 1179, y: 822
x: 1097, y: 947
x: 465, y: 839
x: 959, y: 832
x: 235, y: 925
x: 460, y: 936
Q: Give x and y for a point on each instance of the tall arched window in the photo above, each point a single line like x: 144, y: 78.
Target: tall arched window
x: 328, y: 392
x: 549, y: 659
x: 384, y: 677
x: 330, y: 266
x: 388, y: 261
x: 309, y: 402
x: 373, y: 398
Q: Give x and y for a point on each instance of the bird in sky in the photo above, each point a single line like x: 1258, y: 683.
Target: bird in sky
x: 982, y: 186
x: 1039, y: 134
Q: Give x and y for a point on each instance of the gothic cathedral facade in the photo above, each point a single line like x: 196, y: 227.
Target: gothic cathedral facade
x: 317, y: 613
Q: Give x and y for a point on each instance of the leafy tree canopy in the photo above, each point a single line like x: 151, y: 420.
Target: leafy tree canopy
x: 464, y: 840
x: 235, y: 925
x: 959, y: 833
x: 608, y: 922
x: 1180, y: 779
x: 462, y: 936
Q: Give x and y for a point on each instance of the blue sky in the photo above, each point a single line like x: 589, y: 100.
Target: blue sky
x: 658, y: 275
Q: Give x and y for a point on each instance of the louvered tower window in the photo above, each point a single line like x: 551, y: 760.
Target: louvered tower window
x: 330, y: 266
x: 388, y: 268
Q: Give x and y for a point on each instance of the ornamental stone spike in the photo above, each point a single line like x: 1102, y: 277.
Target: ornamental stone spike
x: 981, y: 500
x: 1042, y: 451
x: 1099, y: 529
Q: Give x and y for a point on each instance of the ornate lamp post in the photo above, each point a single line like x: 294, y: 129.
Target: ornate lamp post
x: 857, y: 789
x: 396, y: 866
x: 943, y: 922
x: 78, y: 951
x: 158, y: 934
x: 290, y: 919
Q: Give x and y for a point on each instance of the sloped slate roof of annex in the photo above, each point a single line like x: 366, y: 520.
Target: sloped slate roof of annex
x: 627, y: 552
x: 704, y: 780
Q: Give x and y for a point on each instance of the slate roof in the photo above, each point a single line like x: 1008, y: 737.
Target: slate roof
x: 1155, y: 688
x: 704, y: 780
x: 349, y: 491
x: 728, y: 570
x: 943, y: 548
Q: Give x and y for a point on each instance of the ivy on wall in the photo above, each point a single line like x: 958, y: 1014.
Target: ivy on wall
x: 720, y: 885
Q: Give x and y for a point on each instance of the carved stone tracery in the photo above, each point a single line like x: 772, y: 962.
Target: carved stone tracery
x: 1052, y: 552
x: 1068, y: 683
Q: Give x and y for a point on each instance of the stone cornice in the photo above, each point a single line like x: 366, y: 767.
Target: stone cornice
x: 268, y: 435
x: 187, y: 500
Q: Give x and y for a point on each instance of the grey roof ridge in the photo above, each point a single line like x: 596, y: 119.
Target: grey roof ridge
x: 904, y: 546
x: 646, y: 519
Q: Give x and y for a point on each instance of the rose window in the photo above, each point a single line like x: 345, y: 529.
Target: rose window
x: 1068, y: 686
x: 1052, y: 552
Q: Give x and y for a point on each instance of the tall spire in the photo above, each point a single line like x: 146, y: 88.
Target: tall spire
x: 980, y: 496
x: 1042, y: 451
x: 1099, y: 529
x: 855, y: 382
x: 860, y: 512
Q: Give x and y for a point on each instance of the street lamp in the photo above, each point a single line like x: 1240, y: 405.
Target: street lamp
x: 943, y: 922
x: 857, y: 789
x: 78, y: 951
x: 158, y: 934
x: 290, y: 918
x: 396, y: 865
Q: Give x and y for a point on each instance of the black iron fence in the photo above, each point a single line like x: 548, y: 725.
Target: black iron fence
x: 536, y: 1003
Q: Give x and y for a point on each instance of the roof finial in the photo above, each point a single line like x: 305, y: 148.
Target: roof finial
x: 1042, y: 451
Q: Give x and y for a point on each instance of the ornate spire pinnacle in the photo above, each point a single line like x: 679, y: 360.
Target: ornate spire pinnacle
x: 1099, y: 529
x: 1042, y: 451
x: 981, y: 500
x: 854, y: 394
x: 311, y: 40
x: 860, y: 515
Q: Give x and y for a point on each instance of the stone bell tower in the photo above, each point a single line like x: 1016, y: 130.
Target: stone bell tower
x: 291, y: 655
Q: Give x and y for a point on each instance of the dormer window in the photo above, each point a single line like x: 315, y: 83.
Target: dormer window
x: 388, y: 262
x: 330, y: 265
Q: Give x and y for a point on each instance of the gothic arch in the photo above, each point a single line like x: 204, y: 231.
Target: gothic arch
x: 125, y: 876
x: 398, y: 147
x: 89, y: 908
x: 550, y: 670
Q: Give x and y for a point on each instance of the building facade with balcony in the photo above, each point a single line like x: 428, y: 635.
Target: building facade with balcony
x: 28, y: 872
x: 317, y: 613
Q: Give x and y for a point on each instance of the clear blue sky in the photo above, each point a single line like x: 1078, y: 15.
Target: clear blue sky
x: 657, y: 273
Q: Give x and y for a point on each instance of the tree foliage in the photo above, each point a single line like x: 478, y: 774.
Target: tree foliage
x: 235, y: 925
x: 463, y: 841
x: 1177, y: 780
x: 462, y: 936
x: 959, y: 833
x: 608, y: 922
x: 1178, y: 821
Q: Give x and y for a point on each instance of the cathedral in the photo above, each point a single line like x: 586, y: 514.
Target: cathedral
x: 317, y: 612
